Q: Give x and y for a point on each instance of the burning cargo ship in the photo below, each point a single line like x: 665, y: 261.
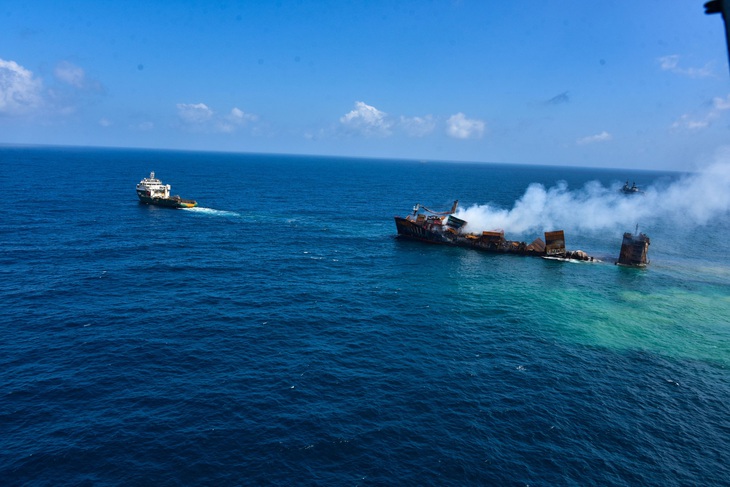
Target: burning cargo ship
x: 445, y: 228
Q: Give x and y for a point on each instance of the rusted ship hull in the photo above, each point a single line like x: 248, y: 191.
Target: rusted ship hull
x: 634, y: 250
x: 411, y: 230
x: 444, y: 228
x: 435, y: 231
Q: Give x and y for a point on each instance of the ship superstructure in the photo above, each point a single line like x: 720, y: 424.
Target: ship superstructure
x: 151, y: 191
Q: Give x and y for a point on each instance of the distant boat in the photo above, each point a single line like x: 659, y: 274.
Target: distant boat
x: 151, y: 191
x: 633, y: 189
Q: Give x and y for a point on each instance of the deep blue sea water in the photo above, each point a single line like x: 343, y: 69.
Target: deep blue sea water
x: 280, y: 335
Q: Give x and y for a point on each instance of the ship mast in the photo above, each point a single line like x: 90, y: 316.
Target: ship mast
x: 453, y: 209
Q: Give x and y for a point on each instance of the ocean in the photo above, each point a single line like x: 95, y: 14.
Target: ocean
x: 279, y: 333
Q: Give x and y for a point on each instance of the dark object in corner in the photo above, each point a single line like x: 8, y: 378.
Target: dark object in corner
x: 721, y: 7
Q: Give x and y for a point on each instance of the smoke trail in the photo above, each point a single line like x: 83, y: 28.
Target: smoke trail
x: 694, y: 199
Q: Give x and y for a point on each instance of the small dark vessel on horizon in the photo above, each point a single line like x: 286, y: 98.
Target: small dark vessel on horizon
x: 633, y: 189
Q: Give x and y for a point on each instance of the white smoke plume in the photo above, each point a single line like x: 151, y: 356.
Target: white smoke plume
x: 694, y: 199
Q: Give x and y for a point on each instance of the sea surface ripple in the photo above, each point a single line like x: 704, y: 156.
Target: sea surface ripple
x: 280, y: 335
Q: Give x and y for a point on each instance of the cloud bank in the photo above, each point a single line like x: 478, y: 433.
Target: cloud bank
x: 718, y: 106
x: 20, y: 92
x: 418, y: 126
x: 200, y: 117
x: 671, y: 64
x: 460, y: 127
x: 592, y: 139
x: 367, y: 121
x: 70, y: 74
x: 23, y: 94
x: 194, y: 113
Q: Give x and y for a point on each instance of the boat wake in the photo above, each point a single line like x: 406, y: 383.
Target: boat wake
x: 574, y: 261
x: 212, y: 212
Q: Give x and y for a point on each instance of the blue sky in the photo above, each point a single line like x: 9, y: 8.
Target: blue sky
x: 625, y: 84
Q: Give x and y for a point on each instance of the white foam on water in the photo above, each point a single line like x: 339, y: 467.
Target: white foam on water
x: 572, y: 261
x: 212, y: 211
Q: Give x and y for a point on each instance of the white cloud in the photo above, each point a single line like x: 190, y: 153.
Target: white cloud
x: 686, y: 122
x: 702, y: 121
x: 237, y: 113
x: 194, y: 113
x: 592, y: 139
x: 367, y: 120
x: 200, y: 117
x: 236, y: 118
x: 671, y: 64
x: 460, y: 127
x: 70, y: 74
x: 75, y: 77
x: 105, y: 122
x: 418, y: 126
x: 721, y: 104
x: 19, y: 91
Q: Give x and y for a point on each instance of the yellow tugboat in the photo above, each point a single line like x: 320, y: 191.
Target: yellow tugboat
x: 151, y: 191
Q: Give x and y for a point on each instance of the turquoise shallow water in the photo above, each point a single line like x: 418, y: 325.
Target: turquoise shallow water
x: 280, y: 334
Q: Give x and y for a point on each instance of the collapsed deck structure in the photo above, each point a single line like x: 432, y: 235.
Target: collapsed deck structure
x: 634, y: 250
x: 445, y: 228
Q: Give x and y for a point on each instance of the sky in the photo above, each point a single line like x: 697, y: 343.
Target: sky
x: 617, y: 84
